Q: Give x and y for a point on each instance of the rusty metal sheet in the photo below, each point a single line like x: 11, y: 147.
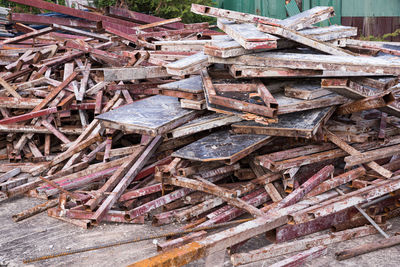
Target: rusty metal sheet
x: 153, y: 115
x: 222, y: 146
x: 300, y: 124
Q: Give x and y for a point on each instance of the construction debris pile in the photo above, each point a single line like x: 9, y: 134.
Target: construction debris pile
x: 123, y: 117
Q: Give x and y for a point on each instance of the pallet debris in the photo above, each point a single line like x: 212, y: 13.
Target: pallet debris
x: 125, y: 117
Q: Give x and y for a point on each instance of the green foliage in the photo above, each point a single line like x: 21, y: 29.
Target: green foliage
x: 18, y: 8
x: 381, y: 38
x: 161, y: 8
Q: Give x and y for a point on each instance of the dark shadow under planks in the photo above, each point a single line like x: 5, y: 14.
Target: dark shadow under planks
x: 152, y: 116
x: 222, y: 146
x: 300, y: 124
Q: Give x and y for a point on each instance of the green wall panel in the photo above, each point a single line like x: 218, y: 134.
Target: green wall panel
x: 268, y: 8
x: 371, y: 8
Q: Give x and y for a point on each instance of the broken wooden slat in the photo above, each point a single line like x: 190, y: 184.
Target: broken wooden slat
x: 247, y: 35
x: 369, y: 247
x: 343, y: 145
x: 127, y: 74
x: 275, y: 250
x: 188, y: 65
x: 202, y: 124
x: 372, y: 155
x: 4, y: 177
x: 26, y: 36
x: 302, y: 257
x: 126, y: 180
x: 371, y: 102
x: 355, y: 90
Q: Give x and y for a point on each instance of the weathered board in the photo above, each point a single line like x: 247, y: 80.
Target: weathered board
x: 305, y: 90
x: 355, y: 90
x: 300, y: 124
x: 191, y: 85
x: 290, y: 104
x: 247, y: 35
x: 222, y: 146
x: 154, y: 115
x: 127, y: 74
x: 192, y: 104
x: 188, y: 65
x: 360, y: 64
x: 231, y: 48
x: 203, y: 123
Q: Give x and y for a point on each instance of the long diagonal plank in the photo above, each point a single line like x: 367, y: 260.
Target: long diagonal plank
x: 362, y: 65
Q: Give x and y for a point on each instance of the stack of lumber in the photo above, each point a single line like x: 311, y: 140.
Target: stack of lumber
x: 125, y: 117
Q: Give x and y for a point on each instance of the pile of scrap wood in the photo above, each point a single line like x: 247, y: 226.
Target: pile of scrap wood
x: 121, y: 116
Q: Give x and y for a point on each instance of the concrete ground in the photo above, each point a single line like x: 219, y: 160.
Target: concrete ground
x: 41, y: 234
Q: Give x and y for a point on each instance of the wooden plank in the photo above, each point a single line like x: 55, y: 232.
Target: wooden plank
x: 303, y: 39
x: 203, y: 123
x: 372, y: 102
x: 247, y: 35
x: 290, y: 105
x: 154, y: 115
x: 355, y: 90
x: 371, y: 155
x: 4, y: 177
x: 127, y: 74
x: 301, y: 124
x: 227, y: 14
x: 188, y: 65
x: 231, y: 48
x: 368, y: 247
x: 237, y: 100
x: 9, y: 88
x: 305, y: 91
x: 302, y: 257
x: 222, y: 146
x: 226, y: 194
x: 308, y: 17
x: 361, y: 65
x: 192, y: 104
